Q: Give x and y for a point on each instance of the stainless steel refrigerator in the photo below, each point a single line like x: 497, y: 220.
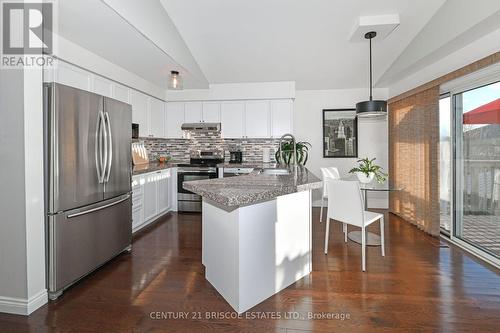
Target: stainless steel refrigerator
x: 88, y: 182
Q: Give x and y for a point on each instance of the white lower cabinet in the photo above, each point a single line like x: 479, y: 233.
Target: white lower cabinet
x: 153, y: 194
x: 150, y: 196
x: 163, y: 186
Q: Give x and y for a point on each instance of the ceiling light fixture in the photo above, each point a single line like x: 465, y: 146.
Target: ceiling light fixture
x: 371, y: 108
x: 175, y: 81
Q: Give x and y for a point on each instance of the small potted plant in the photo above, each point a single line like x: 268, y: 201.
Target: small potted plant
x: 284, y: 154
x: 367, y: 170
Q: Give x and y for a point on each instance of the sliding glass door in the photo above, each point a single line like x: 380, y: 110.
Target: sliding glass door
x: 476, y: 139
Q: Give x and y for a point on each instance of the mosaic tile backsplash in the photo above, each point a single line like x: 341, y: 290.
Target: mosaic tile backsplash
x: 181, y: 149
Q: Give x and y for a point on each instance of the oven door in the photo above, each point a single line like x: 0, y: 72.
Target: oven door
x: 188, y: 201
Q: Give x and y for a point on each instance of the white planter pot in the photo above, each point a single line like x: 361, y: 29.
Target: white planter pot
x: 363, y: 178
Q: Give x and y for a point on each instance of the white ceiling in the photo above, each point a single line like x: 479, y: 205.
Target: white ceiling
x: 97, y: 27
x: 293, y: 40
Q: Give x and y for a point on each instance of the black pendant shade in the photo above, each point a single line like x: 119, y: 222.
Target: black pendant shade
x: 371, y: 108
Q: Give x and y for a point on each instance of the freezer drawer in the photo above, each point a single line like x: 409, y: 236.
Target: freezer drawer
x: 83, y: 239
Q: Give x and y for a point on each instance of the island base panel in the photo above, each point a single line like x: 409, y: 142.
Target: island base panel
x: 253, y: 252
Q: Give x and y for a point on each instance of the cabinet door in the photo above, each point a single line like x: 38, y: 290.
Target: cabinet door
x: 73, y: 76
x: 232, y: 119
x: 137, y: 202
x: 193, y: 112
x: 102, y: 86
x: 156, y: 118
x: 257, y: 119
x: 211, y: 112
x: 281, y: 117
x: 121, y: 93
x: 150, y: 196
x: 163, y: 191
x: 140, y: 103
x: 174, y: 119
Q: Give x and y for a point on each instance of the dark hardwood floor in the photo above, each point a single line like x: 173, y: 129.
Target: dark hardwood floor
x: 421, y: 285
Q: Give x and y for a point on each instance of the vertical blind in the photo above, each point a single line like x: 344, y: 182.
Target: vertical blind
x: 414, y: 158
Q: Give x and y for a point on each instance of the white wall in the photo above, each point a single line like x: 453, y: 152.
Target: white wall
x: 22, y: 237
x: 372, y: 134
x: 235, y: 91
x: 12, y: 226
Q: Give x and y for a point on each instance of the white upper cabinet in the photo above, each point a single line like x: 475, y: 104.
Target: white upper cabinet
x: 73, y: 76
x: 232, y: 114
x: 257, y: 119
x: 139, y: 102
x: 174, y: 119
x: 281, y: 117
x: 156, y: 118
x: 121, y: 93
x: 211, y: 112
x: 102, y: 86
x: 193, y: 112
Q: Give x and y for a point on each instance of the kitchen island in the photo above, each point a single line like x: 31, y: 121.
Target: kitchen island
x: 256, y: 232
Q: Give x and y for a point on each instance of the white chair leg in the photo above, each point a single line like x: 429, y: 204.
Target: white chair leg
x: 345, y: 232
x: 382, y: 241
x: 321, y: 212
x: 327, y: 233
x: 363, y: 248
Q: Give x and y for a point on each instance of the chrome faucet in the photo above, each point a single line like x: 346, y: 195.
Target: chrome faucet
x: 294, y: 147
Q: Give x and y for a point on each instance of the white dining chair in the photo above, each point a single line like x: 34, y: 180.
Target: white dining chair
x: 327, y: 173
x: 345, y: 204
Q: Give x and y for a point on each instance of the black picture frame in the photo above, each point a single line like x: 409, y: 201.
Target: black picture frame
x: 345, y: 123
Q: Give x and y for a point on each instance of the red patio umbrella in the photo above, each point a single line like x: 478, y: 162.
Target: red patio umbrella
x: 485, y: 114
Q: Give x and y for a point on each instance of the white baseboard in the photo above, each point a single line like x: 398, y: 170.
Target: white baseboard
x: 23, y: 306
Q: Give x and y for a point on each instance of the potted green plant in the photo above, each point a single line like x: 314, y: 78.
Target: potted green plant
x: 285, y: 152
x: 367, y: 170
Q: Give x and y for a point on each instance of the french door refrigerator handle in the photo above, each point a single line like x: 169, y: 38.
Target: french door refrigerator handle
x: 88, y: 211
x: 98, y: 148
x: 104, y: 160
x: 110, y: 148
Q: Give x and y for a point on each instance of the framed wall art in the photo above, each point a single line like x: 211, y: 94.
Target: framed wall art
x: 340, y: 133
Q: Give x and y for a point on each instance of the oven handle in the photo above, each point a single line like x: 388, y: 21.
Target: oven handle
x: 208, y: 174
x: 183, y: 172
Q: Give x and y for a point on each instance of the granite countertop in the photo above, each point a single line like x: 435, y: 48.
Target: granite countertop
x: 151, y: 167
x: 254, y: 187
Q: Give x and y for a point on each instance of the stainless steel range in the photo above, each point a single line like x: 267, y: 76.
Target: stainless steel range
x: 202, y: 166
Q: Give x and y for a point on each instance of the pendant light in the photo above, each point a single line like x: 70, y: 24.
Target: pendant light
x: 371, y: 108
x: 175, y: 81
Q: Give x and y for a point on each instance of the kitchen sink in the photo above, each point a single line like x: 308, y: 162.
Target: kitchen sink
x: 276, y: 172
